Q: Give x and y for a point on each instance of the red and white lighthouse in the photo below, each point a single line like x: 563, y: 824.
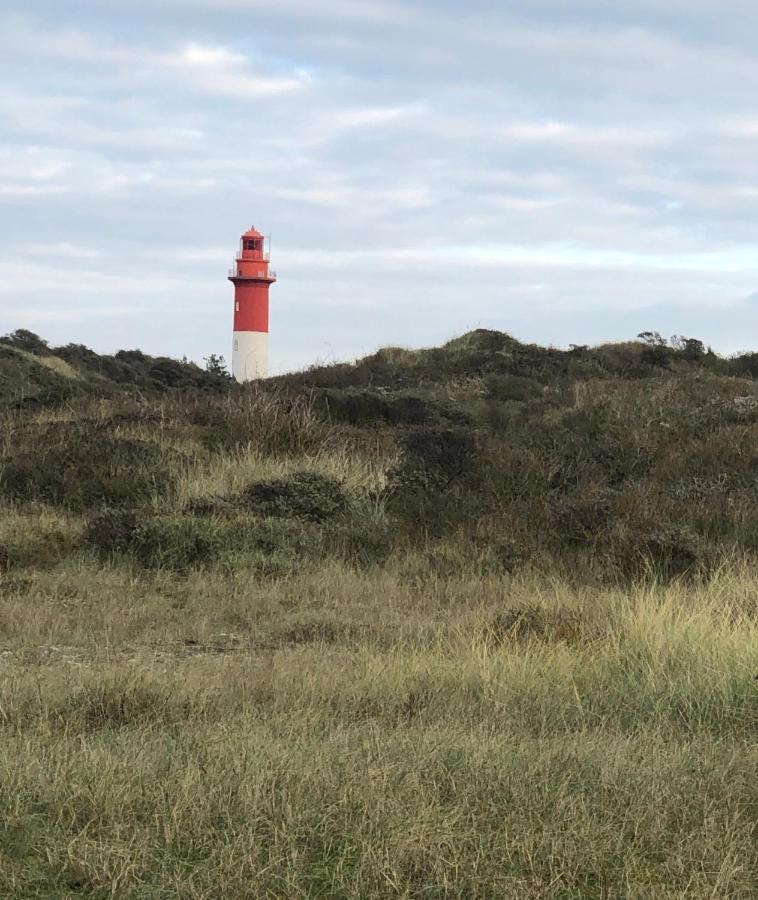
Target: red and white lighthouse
x: 251, y: 278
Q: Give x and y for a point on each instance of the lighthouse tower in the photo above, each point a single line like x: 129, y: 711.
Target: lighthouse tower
x: 251, y: 278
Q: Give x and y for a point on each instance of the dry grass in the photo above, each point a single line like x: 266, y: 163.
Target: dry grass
x: 53, y: 363
x: 233, y: 472
x: 343, y: 734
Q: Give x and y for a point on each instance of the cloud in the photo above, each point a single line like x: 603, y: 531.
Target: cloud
x: 212, y: 69
x: 423, y: 167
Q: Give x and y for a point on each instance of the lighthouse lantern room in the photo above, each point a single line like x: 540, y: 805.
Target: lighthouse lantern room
x: 252, y: 278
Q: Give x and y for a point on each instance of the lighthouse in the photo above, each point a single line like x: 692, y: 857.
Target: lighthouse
x: 251, y: 278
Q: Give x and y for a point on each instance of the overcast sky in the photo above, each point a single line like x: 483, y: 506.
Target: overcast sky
x: 568, y: 172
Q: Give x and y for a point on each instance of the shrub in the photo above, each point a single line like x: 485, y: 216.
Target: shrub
x: 269, y: 547
x: 77, y: 355
x: 512, y: 388
x: 582, y: 519
x: 272, y: 548
x: 174, y: 542
x: 81, y: 466
x: 302, y: 495
x: 213, y: 505
x: 112, y: 531
x: 435, y: 484
x: 362, y: 542
x: 371, y: 408
x: 435, y: 459
x: 25, y: 340
x: 674, y: 551
x: 665, y: 553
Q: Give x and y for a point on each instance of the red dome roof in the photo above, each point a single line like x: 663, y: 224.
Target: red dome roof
x: 252, y: 233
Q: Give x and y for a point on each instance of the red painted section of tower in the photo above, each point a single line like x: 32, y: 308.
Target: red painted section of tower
x: 252, y: 279
x: 250, y: 306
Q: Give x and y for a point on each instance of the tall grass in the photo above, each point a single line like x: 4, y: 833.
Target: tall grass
x: 346, y: 746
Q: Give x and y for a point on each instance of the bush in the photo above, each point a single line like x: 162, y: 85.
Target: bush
x: 372, y: 407
x: 582, y: 519
x: 213, y: 505
x: 435, y: 459
x: 512, y: 388
x: 435, y: 484
x: 112, y: 531
x: 303, y: 495
x: 269, y: 548
x: 361, y: 540
x: 25, y: 340
x: 177, y: 543
x: 665, y: 553
x: 81, y: 466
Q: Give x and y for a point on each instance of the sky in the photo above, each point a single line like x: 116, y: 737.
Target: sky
x: 568, y: 172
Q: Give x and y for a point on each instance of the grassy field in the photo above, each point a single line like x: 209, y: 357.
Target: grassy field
x: 380, y: 638
x: 342, y: 734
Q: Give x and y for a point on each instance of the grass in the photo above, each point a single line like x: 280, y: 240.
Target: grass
x: 344, y: 734
x: 231, y: 473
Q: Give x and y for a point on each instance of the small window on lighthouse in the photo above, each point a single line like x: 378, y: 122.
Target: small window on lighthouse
x: 237, y: 305
x: 236, y: 344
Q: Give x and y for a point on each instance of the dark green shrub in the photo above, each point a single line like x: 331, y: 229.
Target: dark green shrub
x: 361, y: 543
x: 656, y: 355
x: 690, y: 349
x: 25, y: 340
x: 512, y: 388
x: 81, y: 466
x: 302, y: 495
x: 674, y: 551
x: 272, y: 548
x: 435, y: 485
x: 507, y: 556
x: 582, y: 519
x: 435, y: 459
x: 38, y: 544
x: 371, y: 408
x: 78, y: 355
x: 665, y: 553
x: 175, y: 542
x: 112, y: 531
x: 213, y: 505
x: 267, y: 547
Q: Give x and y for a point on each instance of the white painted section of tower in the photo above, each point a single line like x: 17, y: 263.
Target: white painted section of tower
x: 250, y: 355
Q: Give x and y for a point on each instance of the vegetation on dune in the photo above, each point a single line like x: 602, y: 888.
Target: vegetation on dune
x: 472, y: 621
x: 612, y: 462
